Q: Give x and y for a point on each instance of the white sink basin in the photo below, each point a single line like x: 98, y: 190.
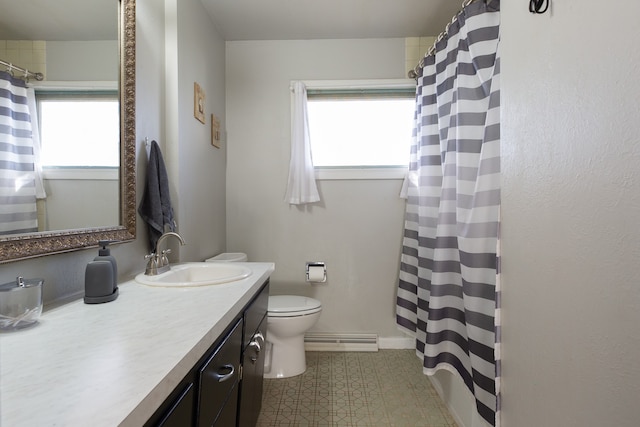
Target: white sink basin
x: 196, y: 274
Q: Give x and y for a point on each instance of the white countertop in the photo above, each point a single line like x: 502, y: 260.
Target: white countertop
x: 113, y: 364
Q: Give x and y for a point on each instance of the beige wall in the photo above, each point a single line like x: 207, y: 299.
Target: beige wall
x: 570, y: 212
x: 29, y: 54
x: 414, y: 50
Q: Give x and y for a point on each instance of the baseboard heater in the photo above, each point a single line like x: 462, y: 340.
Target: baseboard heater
x: 315, y: 341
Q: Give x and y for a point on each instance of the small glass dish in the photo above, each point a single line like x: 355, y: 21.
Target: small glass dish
x: 20, y: 303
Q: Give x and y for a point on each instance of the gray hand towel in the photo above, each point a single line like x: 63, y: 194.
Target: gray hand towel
x: 155, y: 207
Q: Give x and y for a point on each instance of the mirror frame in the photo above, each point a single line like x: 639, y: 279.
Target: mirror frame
x: 24, y: 246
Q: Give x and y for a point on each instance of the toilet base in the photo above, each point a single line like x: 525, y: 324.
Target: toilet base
x: 286, y: 358
x: 285, y: 335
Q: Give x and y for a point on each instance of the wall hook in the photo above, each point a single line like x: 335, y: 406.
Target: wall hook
x: 538, y: 6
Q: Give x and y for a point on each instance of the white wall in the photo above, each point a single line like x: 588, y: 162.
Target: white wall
x: 197, y: 168
x: 356, y: 230
x: 94, y: 201
x: 82, y: 60
x: 570, y: 212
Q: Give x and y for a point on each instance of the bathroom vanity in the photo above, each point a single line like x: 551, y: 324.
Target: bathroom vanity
x: 225, y: 387
x: 155, y: 356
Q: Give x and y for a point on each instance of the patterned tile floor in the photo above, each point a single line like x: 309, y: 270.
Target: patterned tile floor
x: 380, y: 389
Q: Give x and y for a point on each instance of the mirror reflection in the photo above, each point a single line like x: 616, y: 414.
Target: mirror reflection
x: 85, y: 49
x: 69, y: 179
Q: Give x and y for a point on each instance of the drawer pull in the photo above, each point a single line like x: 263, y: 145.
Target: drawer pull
x: 224, y: 373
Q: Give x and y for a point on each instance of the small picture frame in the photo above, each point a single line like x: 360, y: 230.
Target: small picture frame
x: 215, y: 131
x: 198, y: 102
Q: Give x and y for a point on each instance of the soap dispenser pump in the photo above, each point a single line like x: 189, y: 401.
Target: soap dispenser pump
x: 104, y: 254
x: 101, y: 276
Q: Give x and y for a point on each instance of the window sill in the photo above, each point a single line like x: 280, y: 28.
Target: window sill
x: 96, y: 174
x: 364, y: 173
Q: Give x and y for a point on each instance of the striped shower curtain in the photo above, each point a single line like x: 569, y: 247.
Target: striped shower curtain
x: 18, y: 212
x: 447, y: 287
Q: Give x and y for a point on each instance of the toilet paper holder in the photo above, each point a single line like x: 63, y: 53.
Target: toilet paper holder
x: 312, y: 270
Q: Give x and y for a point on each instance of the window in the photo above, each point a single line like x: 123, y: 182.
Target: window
x: 79, y: 129
x: 365, y: 128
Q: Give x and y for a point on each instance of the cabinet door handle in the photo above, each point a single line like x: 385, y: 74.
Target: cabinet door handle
x: 224, y: 373
x: 255, y: 345
x: 259, y: 337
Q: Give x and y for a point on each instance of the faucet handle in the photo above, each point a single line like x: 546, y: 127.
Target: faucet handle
x: 164, y: 260
x: 152, y: 264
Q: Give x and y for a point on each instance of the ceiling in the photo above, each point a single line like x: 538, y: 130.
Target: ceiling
x: 239, y: 19
x: 329, y: 19
x: 58, y: 20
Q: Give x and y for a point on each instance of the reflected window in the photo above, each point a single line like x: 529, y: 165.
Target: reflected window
x: 79, y: 129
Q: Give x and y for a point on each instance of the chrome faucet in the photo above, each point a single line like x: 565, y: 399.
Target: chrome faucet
x: 158, y: 262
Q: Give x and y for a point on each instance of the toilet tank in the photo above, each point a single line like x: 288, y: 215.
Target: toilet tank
x: 229, y: 257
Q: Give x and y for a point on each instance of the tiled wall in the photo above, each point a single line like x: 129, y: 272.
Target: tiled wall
x: 29, y: 54
x: 415, y: 49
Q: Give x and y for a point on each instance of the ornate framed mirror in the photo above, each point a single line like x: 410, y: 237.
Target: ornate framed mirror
x: 29, y: 245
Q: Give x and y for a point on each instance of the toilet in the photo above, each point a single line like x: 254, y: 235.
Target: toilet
x: 229, y: 257
x: 288, y: 318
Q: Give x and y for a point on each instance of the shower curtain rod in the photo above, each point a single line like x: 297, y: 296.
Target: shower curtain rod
x: 413, y: 74
x: 27, y: 73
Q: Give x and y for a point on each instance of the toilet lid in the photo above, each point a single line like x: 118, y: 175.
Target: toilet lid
x: 292, y: 305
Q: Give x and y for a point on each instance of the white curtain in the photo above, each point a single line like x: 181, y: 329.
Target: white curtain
x: 37, y: 147
x: 301, y: 186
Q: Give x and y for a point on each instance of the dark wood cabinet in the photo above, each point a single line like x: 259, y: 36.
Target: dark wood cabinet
x: 224, y: 388
x: 252, y: 377
x: 180, y: 411
x: 218, y: 379
x: 255, y: 334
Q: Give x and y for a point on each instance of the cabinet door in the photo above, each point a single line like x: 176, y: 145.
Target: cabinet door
x: 181, y: 412
x: 227, y: 416
x: 252, y: 378
x: 254, y: 314
x: 218, y: 378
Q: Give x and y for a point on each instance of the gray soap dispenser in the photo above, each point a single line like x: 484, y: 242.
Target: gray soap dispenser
x: 101, y: 277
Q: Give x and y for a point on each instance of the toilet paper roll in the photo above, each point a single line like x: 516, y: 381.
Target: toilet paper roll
x: 316, y: 274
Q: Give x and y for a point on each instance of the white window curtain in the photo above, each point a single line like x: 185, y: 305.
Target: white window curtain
x: 301, y: 186
x: 37, y: 147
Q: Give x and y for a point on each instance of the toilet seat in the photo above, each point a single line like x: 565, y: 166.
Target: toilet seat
x: 292, y: 305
